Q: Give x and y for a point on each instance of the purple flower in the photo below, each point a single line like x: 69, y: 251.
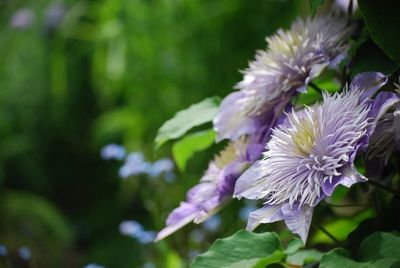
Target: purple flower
x: 22, y: 19
x: 386, y: 137
x: 215, y: 187
x: 292, y: 60
x: 112, y: 151
x: 311, y: 153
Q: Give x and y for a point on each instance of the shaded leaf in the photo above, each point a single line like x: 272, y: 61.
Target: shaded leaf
x: 242, y: 250
x: 377, y: 250
x: 380, y: 245
x: 314, y: 5
x: 369, y: 57
x: 196, y: 115
x: 382, y: 20
x: 184, y: 149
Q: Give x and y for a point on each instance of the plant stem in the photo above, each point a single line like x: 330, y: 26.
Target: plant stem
x: 384, y: 187
x: 345, y: 205
x: 314, y: 86
x: 327, y: 233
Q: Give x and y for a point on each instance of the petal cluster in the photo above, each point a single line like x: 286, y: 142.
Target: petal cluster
x: 310, y: 153
x: 293, y: 58
x: 215, y: 187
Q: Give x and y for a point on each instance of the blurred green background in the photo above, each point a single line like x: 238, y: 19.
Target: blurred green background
x: 77, y: 75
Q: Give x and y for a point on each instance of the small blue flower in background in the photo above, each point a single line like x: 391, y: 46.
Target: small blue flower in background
x: 54, y: 15
x: 146, y: 237
x: 169, y: 177
x: 130, y: 228
x: 245, y: 211
x: 135, y: 230
x: 3, y: 250
x: 197, y: 235
x: 25, y: 253
x: 135, y: 163
x: 22, y: 19
x: 113, y: 152
x: 149, y: 265
x: 163, y: 165
x: 93, y: 265
x: 212, y: 224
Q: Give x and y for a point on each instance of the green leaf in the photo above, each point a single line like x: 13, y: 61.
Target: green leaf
x: 380, y: 245
x: 242, y: 250
x: 303, y: 257
x: 377, y: 250
x: 340, y: 258
x: 185, y: 148
x: 195, y: 115
x: 293, y: 246
x: 369, y: 57
x: 314, y: 5
x: 382, y: 20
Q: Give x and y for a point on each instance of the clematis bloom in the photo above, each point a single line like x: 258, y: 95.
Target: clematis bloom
x: 311, y: 153
x: 293, y: 58
x: 215, y: 187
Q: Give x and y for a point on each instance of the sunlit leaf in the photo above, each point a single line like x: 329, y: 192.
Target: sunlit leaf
x: 242, y: 250
x: 304, y: 256
x: 196, y: 115
x: 185, y: 148
x: 293, y: 246
x: 340, y: 228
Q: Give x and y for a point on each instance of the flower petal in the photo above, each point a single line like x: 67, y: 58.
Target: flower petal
x: 349, y: 177
x: 249, y: 185
x: 266, y: 214
x: 178, y: 218
x: 370, y: 82
x: 298, y: 219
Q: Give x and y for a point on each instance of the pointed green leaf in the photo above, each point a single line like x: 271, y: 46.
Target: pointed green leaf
x: 185, y: 148
x: 196, y: 115
x: 242, y: 250
x: 382, y: 20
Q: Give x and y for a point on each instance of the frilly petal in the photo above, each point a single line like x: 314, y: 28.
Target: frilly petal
x: 178, y: 218
x: 383, y: 101
x: 349, y: 177
x: 369, y: 82
x: 229, y: 124
x: 249, y: 185
x: 298, y: 219
x: 266, y: 214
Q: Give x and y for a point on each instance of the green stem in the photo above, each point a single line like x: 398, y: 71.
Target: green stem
x: 384, y: 187
x: 314, y: 86
x: 346, y: 205
x: 327, y: 233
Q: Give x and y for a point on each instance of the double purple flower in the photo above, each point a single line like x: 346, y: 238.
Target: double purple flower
x: 312, y: 152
